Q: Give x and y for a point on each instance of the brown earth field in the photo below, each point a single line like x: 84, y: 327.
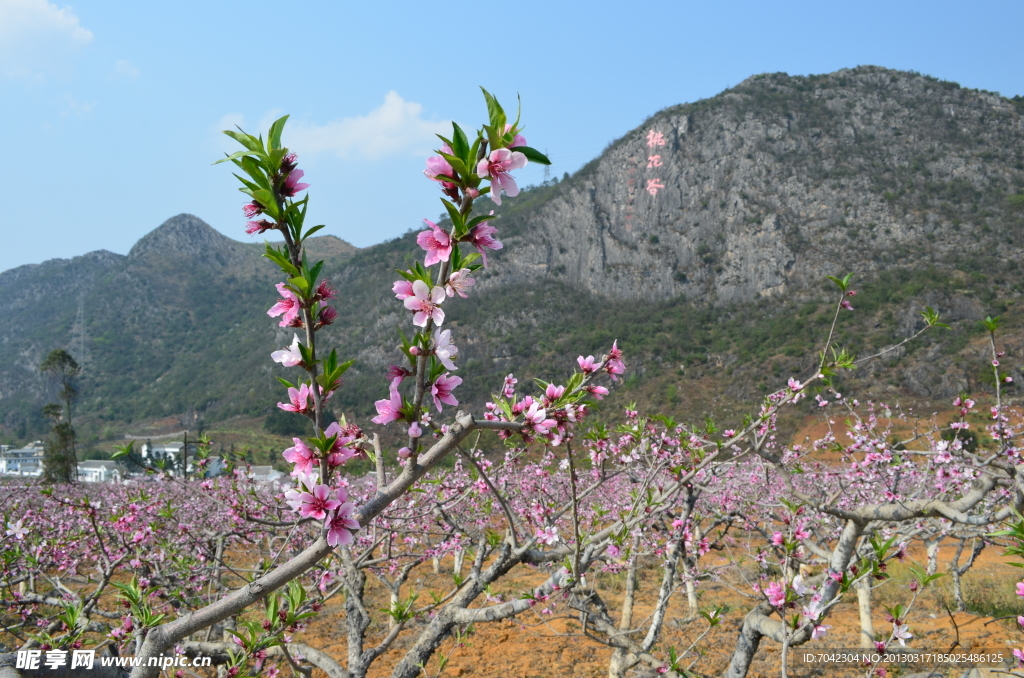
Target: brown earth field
x: 538, y: 645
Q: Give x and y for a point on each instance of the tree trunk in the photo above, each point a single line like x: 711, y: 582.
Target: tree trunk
x: 392, y: 623
x: 867, y: 628
x: 619, y: 663
x: 958, y: 590
x: 933, y: 557
x: 457, y: 567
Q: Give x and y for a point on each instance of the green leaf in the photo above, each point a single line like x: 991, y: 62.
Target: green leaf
x: 841, y: 284
x: 275, y: 158
x: 533, y: 155
x: 312, y: 231
x: 254, y: 170
x: 266, y: 198
x: 314, y: 274
x: 300, y: 285
x: 274, y: 138
x: 495, y: 112
x: 457, y: 164
x: 493, y: 137
x: 931, y: 316
x: 249, y: 186
x: 479, y: 220
x: 246, y: 140
x: 460, y: 144
x: 233, y: 156
x: 992, y: 324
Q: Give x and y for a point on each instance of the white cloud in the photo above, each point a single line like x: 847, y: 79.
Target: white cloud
x: 76, y: 107
x: 37, y: 38
x: 395, y: 128
x: 126, y: 69
x: 231, y: 121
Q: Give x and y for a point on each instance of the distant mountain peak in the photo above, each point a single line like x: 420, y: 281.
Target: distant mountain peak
x: 183, y: 235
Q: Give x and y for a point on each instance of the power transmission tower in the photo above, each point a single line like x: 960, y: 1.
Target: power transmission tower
x: 547, y: 169
x: 78, y: 334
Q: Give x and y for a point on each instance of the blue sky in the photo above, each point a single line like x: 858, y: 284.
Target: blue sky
x: 112, y: 110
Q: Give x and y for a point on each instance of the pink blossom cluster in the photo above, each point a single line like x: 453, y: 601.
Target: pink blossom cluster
x: 322, y: 502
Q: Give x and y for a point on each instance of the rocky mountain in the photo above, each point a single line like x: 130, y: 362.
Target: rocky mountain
x: 151, y: 329
x: 782, y: 180
x: 700, y: 240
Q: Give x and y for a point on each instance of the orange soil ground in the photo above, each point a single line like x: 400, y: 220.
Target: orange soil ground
x: 541, y: 646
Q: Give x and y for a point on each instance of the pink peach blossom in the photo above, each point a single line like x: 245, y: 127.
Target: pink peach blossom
x: 326, y: 316
x: 288, y: 306
x: 302, y: 456
x: 901, y: 632
x: 402, y: 289
x: 509, y: 388
x: 517, y: 140
x: 389, y: 410
x: 289, y: 357
x: 444, y: 349
x: 341, y: 525
x: 324, y: 291
x: 437, y: 165
x: 259, y: 227
x: 614, y: 365
x: 497, y: 167
x: 317, y: 503
x: 339, y: 452
x: 459, y: 282
x: 441, y: 389
x: 776, y: 594
x: 436, y: 242
x: 425, y: 303
x: 299, y: 399
x: 291, y: 184
x: 536, y: 416
x: 482, y: 238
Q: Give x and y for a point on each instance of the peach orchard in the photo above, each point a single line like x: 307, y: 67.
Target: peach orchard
x: 226, y: 568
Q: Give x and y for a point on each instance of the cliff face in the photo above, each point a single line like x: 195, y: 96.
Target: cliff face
x: 772, y: 185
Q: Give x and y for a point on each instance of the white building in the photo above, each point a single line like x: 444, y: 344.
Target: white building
x: 27, y: 461
x: 99, y: 471
x: 261, y: 475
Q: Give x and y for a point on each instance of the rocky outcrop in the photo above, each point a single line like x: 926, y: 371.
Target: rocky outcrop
x: 772, y: 185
